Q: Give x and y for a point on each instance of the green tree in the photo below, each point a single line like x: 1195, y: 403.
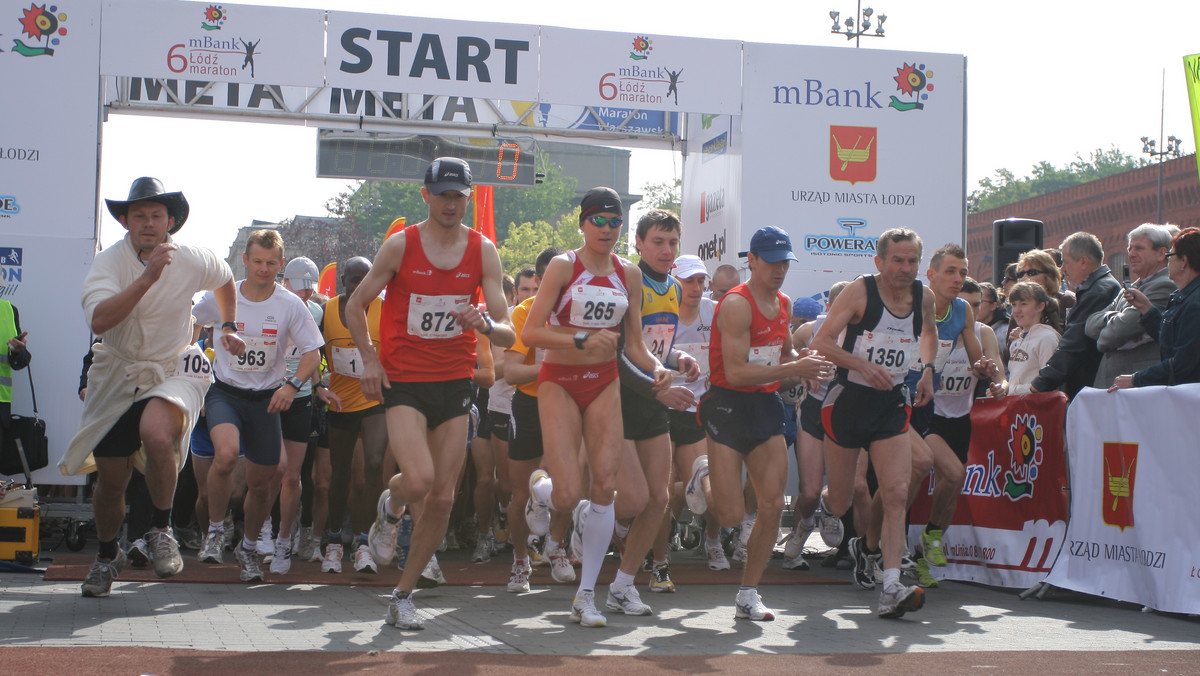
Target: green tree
x: 527, y: 240
x: 667, y: 195
x: 1045, y: 178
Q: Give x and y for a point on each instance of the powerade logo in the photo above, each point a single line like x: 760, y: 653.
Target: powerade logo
x: 9, y: 206
x: 848, y: 244
x: 714, y: 146
x: 711, y: 203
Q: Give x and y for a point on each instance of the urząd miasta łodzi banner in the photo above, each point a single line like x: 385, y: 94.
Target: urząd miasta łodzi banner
x: 1191, y: 68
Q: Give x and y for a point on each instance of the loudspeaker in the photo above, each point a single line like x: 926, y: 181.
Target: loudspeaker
x: 1012, y: 237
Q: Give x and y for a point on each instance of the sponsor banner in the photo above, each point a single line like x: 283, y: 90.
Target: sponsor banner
x: 213, y: 41
x: 48, y: 149
x: 1011, y: 517
x: 849, y: 147
x: 640, y: 70
x: 42, y: 278
x: 712, y: 189
x: 1191, y: 68
x: 1131, y: 537
x: 433, y: 56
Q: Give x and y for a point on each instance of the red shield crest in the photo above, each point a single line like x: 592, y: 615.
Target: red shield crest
x: 852, y: 153
x: 1120, y: 472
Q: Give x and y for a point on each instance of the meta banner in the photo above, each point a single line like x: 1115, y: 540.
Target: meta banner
x: 432, y: 56
x: 1011, y: 516
x: 1133, y: 475
x: 213, y: 41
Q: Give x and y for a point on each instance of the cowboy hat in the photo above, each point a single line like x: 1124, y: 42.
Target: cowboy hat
x: 147, y: 189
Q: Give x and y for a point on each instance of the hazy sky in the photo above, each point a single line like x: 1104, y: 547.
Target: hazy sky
x: 1045, y: 80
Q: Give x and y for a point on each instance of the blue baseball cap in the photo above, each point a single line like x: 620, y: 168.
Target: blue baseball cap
x: 772, y: 245
x: 806, y: 308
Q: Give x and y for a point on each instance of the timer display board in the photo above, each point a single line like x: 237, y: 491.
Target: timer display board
x: 404, y: 157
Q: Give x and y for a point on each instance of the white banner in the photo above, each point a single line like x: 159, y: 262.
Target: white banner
x: 211, y: 41
x: 432, y: 56
x: 712, y: 187
x: 48, y: 152
x: 1132, y: 535
x: 640, y: 70
x: 848, y: 146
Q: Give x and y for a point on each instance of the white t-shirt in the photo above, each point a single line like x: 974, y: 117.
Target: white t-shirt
x: 693, y: 339
x: 267, y: 327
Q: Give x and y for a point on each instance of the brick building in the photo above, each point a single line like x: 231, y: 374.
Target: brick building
x: 1108, y: 208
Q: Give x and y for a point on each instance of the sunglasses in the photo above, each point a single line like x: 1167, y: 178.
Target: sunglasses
x: 1030, y: 273
x: 602, y: 221
x: 1170, y: 253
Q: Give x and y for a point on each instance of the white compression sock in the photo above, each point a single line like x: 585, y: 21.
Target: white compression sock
x: 597, y: 533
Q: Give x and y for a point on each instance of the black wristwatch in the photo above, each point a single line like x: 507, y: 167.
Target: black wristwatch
x: 294, y: 382
x: 230, y: 325
x: 931, y: 367
x: 581, y: 338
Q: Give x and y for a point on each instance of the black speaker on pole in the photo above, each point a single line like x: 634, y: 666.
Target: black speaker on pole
x: 1012, y: 237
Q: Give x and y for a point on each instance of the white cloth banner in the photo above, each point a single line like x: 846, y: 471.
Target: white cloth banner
x: 1131, y: 535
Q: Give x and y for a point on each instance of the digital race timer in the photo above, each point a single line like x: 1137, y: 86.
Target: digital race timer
x: 382, y: 156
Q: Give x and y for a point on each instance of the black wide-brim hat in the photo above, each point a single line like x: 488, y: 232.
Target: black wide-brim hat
x: 147, y: 189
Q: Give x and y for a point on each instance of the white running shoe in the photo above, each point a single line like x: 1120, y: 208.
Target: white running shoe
x: 749, y: 606
x: 627, y: 601
x: 577, y: 517
x: 382, y: 536
x: 560, y: 566
x: 897, y: 600
x: 213, y: 548
x: 432, y: 575
x: 793, y: 551
x: 309, y: 545
x: 402, y: 614
x: 332, y: 563
x: 832, y: 530
x: 537, y: 515
x: 483, y: 548
x: 716, y: 556
x: 99, y: 580
x: 583, y: 611
x: 139, y: 553
x: 694, y: 494
x: 164, y: 552
x: 518, y: 578
x: 281, y: 563
x: 265, y: 546
x: 739, y: 553
x: 248, y: 564
x: 363, y: 561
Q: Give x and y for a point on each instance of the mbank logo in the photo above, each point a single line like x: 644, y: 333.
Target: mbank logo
x: 1025, y: 446
x: 711, y: 203
x: 642, y: 47
x: 214, y: 18
x: 41, y: 24
x: 10, y: 270
x: 1120, y: 473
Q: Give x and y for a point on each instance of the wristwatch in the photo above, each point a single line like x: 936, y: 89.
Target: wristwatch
x: 230, y: 325
x: 490, y: 325
x: 930, y: 367
x: 294, y: 382
x: 581, y: 338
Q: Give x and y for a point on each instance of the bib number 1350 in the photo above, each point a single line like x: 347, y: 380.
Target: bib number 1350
x: 888, y: 358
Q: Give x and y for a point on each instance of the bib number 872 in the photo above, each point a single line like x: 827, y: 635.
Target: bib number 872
x: 437, y: 321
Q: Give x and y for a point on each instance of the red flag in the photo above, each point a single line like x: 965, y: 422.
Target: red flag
x: 327, y: 284
x: 396, y: 226
x: 485, y: 212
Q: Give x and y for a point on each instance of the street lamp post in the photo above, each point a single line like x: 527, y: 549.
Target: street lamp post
x: 1172, y: 150
x: 863, y: 18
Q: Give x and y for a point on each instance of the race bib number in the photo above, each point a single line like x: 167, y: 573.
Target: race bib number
x: 259, y: 357
x: 766, y: 355
x: 891, y: 352
x: 430, y: 317
x: 699, y: 351
x: 943, y: 353
x: 597, y: 307
x: 956, y: 379
x: 346, y: 361
x: 659, y: 338
x: 193, y: 364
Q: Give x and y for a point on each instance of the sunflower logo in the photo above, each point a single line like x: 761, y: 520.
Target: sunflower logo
x: 214, y: 17
x: 1025, y: 445
x: 42, y: 24
x: 912, y: 80
x: 641, y: 48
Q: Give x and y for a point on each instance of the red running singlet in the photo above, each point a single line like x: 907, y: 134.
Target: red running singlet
x: 766, y: 340
x: 591, y: 302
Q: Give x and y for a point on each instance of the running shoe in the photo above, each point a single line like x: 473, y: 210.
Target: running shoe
x: 660, y: 579
x: 385, y: 530
x: 749, y: 606
x: 875, y: 567
x: 897, y: 600
x: 863, y: 576
x: 432, y: 575
x: 281, y: 562
x: 793, y: 550
x: 560, y: 566
x: 500, y: 524
x: 832, y: 530
x: 164, y: 552
x: 189, y: 538
x: 248, y: 565
x: 139, y: 554
x: 402, y: 614
x: 694, y: 494
x: 537, y: 515
x: 213, y: 548
x: 363, y: 561
x: 309, y: 545
x: 99, y: 580
x: 739, y: 553
x: 332, y: 563
x: 626, y: 601
x: 536, y: 547
x: 583, y: 611
x: 450, y: 543
x: 925, y: 579
x: 265, y: 545
x: 518, y: 577
x: 716, y: 556
x: 577, y: 517
x: 931, y: 541
x: 483, y: 549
